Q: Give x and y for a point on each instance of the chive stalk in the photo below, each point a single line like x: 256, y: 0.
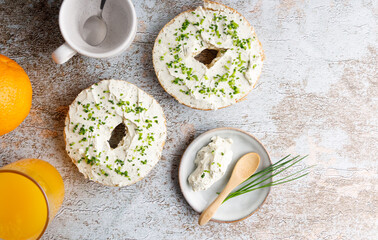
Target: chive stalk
x: 267, y: 174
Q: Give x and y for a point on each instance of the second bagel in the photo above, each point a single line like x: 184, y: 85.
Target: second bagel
x: 229, y: 77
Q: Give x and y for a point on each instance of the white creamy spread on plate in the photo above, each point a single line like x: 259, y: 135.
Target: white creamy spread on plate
x: 212, y: 162
x: 230, y: 77
x: 93, y: 116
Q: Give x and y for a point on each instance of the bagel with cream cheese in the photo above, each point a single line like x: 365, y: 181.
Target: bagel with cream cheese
x: 93, y: 116
x: 229, y: 77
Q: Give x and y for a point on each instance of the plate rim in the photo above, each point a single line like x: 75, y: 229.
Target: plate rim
x: 213, y: 130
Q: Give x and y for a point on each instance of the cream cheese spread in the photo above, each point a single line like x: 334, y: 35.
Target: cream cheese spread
x: 230, y: 77
x: 212, y: 162
x: 89, y: 124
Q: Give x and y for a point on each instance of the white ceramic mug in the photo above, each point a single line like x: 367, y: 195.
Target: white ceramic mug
x: 119, y: 16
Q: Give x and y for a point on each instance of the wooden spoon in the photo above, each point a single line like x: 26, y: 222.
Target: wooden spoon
x: 243, y: 169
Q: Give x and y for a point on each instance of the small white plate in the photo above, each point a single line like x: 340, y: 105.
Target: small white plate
x: 234, y: 209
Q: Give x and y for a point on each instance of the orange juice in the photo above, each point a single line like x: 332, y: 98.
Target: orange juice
x: 31, y: 193
x: 23, y: 207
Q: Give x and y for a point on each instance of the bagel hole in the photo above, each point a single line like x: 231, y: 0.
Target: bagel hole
x: 117, y: 135
x: 207, y: 56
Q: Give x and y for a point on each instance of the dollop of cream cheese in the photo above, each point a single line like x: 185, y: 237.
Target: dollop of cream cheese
x: 89, y: 124
x: 230, y: 76
x: 212, y: 162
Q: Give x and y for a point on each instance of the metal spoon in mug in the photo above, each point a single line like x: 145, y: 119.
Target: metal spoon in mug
x: 95, y: 29
x: 243, y: 169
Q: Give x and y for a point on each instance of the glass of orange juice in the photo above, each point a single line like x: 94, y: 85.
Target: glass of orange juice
x: 31, y: 193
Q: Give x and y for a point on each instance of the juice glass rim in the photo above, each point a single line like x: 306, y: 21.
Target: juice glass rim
x: 40, y: 188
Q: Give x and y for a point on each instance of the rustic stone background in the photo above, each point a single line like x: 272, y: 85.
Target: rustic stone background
x: 318, y: 94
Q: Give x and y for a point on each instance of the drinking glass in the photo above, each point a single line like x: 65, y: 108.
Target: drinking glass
x: 31, y: 193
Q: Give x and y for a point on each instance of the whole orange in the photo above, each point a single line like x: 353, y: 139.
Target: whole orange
x: 15, y: 95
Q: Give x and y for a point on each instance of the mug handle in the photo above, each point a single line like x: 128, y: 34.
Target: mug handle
x: 63, y: 53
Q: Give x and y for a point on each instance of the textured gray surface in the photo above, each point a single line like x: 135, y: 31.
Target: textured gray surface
x: 318, y: 94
